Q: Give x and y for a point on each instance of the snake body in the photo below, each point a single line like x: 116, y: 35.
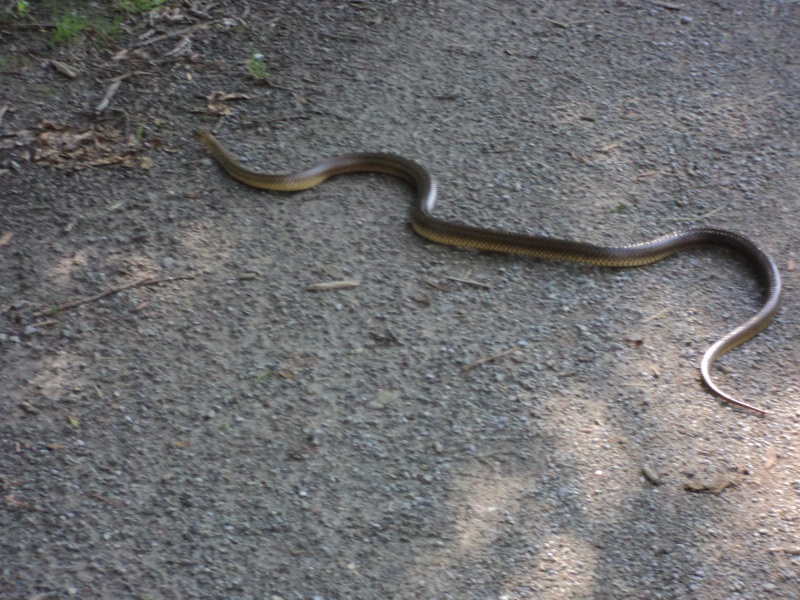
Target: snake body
x: 480, y: 238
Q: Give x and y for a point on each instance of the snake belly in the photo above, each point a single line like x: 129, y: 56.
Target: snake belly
x: 496, y: 240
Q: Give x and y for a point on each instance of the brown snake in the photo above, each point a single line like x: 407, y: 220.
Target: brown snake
x: 480, y: 238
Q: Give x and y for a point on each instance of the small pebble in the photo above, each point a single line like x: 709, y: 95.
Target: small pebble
x: 650, y: 475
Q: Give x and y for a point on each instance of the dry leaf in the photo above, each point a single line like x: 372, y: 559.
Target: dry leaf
x: 96, y: 145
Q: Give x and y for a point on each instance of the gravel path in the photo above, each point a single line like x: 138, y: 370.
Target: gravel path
x: 232, y: 434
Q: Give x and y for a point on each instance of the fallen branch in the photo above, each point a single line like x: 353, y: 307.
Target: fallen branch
x: 487, y: 359
x: 150, y: 281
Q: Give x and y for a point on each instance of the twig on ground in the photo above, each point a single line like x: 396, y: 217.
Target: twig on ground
x: 487, y: 359
x: 344, y: 284
x: 110, y: 92
x: 667, y: 5
x: 433, y: 284
x: 150, y: 281
x: 710, y: 213
x: 180, y: 33
x: 468, y: 281
x: 647, y: 174
x: 103, y: 498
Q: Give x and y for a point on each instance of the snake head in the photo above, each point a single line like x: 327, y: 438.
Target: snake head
x: 201, y: 136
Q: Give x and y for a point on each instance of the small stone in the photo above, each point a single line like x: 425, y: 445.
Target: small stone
x: 650, y: 475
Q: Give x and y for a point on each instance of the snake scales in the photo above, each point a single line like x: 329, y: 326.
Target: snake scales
x: 480, y: 238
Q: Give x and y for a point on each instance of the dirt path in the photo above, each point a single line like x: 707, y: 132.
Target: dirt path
x: 232, y: 434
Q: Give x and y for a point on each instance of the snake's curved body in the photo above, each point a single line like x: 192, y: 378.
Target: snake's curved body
x: 467, y: 236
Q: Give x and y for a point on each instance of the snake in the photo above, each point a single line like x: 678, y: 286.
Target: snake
x: 452, y: 233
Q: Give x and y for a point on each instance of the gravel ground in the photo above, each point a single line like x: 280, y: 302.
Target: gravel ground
x: 231, y: 434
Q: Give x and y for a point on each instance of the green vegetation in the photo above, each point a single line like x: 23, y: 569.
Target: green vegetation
x: 71, y: 24
x: 257, y: 68
x: 134, y: 7
x: 68, y: 26
x: 72, y: 18
x: 21, y: 8
x: 12, y: 62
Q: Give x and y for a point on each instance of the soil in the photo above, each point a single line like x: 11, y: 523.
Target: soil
x: 207, y: 426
